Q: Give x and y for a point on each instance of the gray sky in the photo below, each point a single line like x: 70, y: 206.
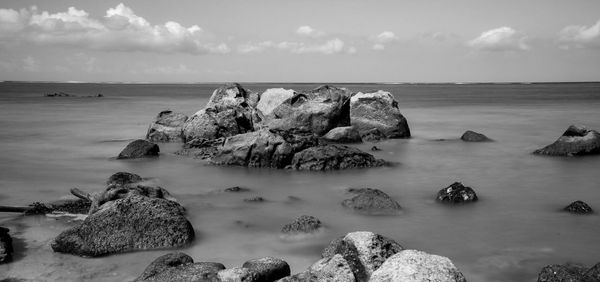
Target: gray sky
x: 300, y: 41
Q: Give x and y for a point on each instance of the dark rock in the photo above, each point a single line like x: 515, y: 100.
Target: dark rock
x: 371, y: 201
x: 302, y: 224
x: 472, y: 136
x: 562, y: 273
x: 236, y: 189
x: 375, y: 149
x: 6, y: 247
x: 457, y: 193
x: 372, y: 135
x: 122, y: 178
x: 593, y: 274
x: 167, y: 127
x: 180, y: 267
x: 378, y: 110
x: 344, y: 134
x: 132, y: 223
x: 268, y: 268
x: 333, y: 157
x: 579, y: 207
x: 254, y: 200
x: 576, y: 141
x: 139, y: 149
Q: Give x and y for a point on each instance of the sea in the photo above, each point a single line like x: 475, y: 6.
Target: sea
x: 49, y: 145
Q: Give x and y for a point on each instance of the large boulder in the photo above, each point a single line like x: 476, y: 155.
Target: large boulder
x: 6, y: 247
x: 472, y: 136
x: 272, y: 98
x: 139, y: 149
x: 579, y: 207
x: 333, y: 157
x: 417, y: 266
x: 363, y: 251
x: 317, y: 111
x: 371, y: 201
x: 132, y: 223
x: 302, y: 224
x: 343, y: 134
x: 174, y: 267
x: 456, y: 193
x: 576, y: 141
x: 268, y: 268
x: 378, y: 110
x: 167, y: 127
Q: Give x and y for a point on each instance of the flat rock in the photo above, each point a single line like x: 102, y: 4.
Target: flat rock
x: 333, y: 157
x: 456, y: 193
x: 417, y: 266
x: 174, y: 267
x: 472, y: 136
x: 344, y: 134
x: 6, y: 247
x: 372, y: 202
x: 139, y: 149
x: 579, y: 207
x: 378, y: 110
x: 302, y: 224
x: 167, y: 127
x: 268, y: 268
x: 575, y: 141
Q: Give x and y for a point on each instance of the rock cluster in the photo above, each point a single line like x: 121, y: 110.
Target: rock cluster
x: 575, y: 141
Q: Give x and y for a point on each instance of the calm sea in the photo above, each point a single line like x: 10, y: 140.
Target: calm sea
x: 48, y: 145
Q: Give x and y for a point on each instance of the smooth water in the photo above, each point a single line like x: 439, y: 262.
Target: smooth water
x: 48, y: 145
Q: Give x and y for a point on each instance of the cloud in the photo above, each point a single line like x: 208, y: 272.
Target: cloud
x: 119, y: 30
x: 313, y: 45
x: 255, y: 47
x: 333, y: 46
x: 306, y: 30
x: 382, y: 39
x: 500, y: 39
x: 580, y: 36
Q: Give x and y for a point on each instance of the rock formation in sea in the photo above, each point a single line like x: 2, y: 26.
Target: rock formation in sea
x: 378, y: 110
x: 575, y: 141
x: 456, y: 193
x: 139, y: 149
x: 371, y: 202
x: 302, y: 224
x: 472, y: 136
x: 167, y: 127
x: 579, y: 207
x: 6, y: 246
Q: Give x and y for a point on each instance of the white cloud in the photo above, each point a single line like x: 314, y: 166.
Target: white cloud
x: 333, y: 46
x: 306, y: 30
x: 500, y: 39
x: 119, y: 30
x: 378, y: 46
x: 255, y: 47
x: 580, y: 36
x: 382, y: 39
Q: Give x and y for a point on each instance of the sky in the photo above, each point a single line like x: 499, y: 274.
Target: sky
x: 195, y: 41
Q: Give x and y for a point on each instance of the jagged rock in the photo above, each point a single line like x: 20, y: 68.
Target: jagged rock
x: 579, y: 207
x: 371, y: 201
x: 122, y: 178
x: 576, y: 141
x: 268, y: 268
x: 272, y: 98
x: 378, y: 110
x: 133, y: 223
x: 238, y: 274
x: 364, y: 252
x: 335, y: 268
x: 317, y: 111
x: 302, y: 224
x: 457, y: 193
x: 174, y: 267
x: 139, y: 149
x: 344, y: 134
x: 6, y: 247
x: 372, y: 135
x: 472, y: 136
x: 167, y: 127
x: 562, y: 273
x: 417, y: 266
x: 333, y: 157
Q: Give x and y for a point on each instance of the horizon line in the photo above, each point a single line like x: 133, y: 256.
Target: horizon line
x: 299, y: 82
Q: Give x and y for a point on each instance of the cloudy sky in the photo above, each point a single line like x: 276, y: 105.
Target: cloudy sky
x: 300, y: 41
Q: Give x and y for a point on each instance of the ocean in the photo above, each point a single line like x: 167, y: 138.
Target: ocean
x: 51, y: 144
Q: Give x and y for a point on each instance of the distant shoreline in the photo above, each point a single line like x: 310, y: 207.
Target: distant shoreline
x: 285, y: 83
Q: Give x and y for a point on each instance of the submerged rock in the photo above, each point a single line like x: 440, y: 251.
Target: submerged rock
x: 174, y: 267
x: 254, y: 200
x: 139, y: 149
x: 167, y: 127
x: 472, y: 136
x: 579, y: 207
x: 302, y: 224
x: 457, y: 193
x: 344, y: 134
x: 372, y: 202
x: 378, y: 110
x: 416, y: 266
x: 333, y: 157
x: 236, y: 189
x: 122, y: 178
x: 576, y: 141
x: 132, y: 223
x: 6, y: 247
x: 268, y: 268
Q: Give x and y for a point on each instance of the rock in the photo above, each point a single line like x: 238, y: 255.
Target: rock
x: 472, y: 136
x: 560, y: 273
x: 579, y: 207
x: 457, y: 193
x: 268, y: 268
x: 333, y: 157
x: 363, y: 251
x: 317, y: 111
x: 174, y: 267
x: 371, y: 201
x: 375, y: 149
x: 232, y: 95
x: 593, y: 274
x: 272, y: 98
x: 254, y: 200
x: 378, y: 110
x: 167, y: 127
x: 139, y: 149
x: 302, y: 224
x: 114, y: 192
x: 344, y: 134
x: 335, y: 268
x: 416, y: 266
x: 576, y: 141
x: 6, y: 247
x: 122, y: 178
x: 238, y: 274
x: 236, y: 189
x: 133, y: 223
x: 372, y: 135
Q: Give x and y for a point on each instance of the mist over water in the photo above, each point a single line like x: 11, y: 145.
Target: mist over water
x: 49, y: 145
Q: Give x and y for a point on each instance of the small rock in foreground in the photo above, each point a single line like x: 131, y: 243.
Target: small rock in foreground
x: 579, y: 207
x: 302, y: 224
x: 174, y: 267
x: 576, y: 141
x: 268, y: 268
x: 457, y: 193
x: 472, y: 136
x: 139, y: 149
x: 372, y: 202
